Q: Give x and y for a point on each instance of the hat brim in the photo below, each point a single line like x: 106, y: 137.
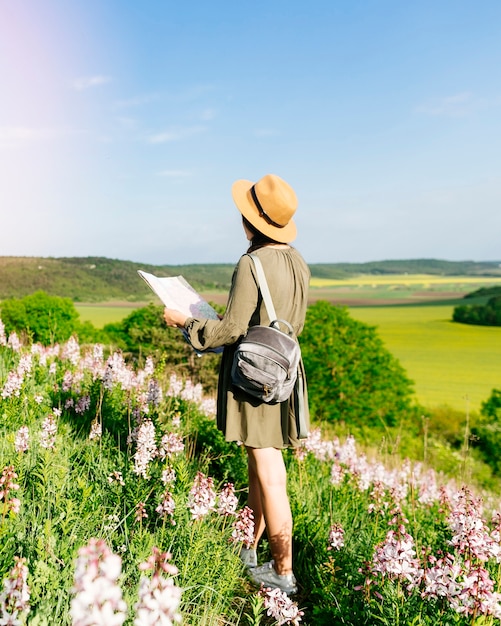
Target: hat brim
x: 241, y: 196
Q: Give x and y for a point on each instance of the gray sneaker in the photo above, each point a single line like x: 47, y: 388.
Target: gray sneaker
x: 267, y: 575
x: 248, y: 557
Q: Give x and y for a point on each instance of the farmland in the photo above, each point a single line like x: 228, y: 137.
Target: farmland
x: 453, y: 364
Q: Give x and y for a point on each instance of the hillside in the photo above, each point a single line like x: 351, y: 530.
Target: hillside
x: 98, y: 279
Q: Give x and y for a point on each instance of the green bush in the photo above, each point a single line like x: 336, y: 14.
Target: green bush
x: 45, y: 319
x: 481, y: 314
x: 351, y: 376
x: 487, y: 433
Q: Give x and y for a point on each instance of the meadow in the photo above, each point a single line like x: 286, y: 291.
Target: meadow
x: 121, y: 503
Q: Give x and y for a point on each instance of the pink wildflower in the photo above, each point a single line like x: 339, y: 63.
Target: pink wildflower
x: 471, y: 536
x: 227, y: 501
x: 22, y: 440
x: 442, y: 579
x: 71, y: 351
x: 97, y: 597
x: 149, y: 366
x: 3, y: 337
x: 116, y: 477
x: 175, y: 386
x: 82, y: 405
x: 337, y: 474
x: 280, y: 606
x: 48, y: 435
x: 170, y: 445
x: 202, y: 497
x: 168, y: 476
x: 159, y: 597
x: 67, y: 381
x: 477, y: 594
x: 96, y: 429
x: 396, y: 558
x: 7, y: 485
x: 140, y: 513
x: 13, y: 342
x: 146, y: 449
x: 336, y: 537
x: 14, y: 599
x: 13, y: 384
x: 167, y: 507
x: 208, y: 406
x: 243, y: 527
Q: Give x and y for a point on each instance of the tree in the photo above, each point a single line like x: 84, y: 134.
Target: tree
x: 45, y: 319
x: 351, y: 376
x: 482, y: 314
x: 487, y: 432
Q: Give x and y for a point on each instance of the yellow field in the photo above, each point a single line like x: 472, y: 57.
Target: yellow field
x: 453, y: 364
x: 101, y: 314
x: 407, y: 280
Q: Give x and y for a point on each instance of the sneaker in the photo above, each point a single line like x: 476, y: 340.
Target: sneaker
x: 266, y: 575
x: 248, y: 557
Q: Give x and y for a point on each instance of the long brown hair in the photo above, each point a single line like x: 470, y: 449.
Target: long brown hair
x: 258, y: 239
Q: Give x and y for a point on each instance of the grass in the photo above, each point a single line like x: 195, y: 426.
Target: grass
x: 453, y: 364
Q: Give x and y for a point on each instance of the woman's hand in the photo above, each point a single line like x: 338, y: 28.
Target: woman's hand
x: 174, y: 318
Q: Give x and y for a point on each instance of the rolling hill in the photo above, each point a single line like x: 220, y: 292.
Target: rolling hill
x: 98, y: 279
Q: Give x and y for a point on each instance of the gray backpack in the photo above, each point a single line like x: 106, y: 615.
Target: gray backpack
x: 266, y: 360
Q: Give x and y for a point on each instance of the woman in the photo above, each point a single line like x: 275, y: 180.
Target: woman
x: 267, y: 208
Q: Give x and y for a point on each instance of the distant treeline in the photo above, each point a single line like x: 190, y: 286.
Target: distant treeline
x: 98, y: 279
x: 488, y: 314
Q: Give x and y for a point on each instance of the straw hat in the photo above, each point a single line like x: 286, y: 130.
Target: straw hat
x: 268, y: 205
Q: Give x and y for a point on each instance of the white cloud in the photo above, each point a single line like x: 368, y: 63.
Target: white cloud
x: 457, y: 105
x: 86, y: 82
x: 175, y: 134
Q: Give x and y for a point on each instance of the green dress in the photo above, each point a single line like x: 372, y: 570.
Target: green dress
x: 240, y: 416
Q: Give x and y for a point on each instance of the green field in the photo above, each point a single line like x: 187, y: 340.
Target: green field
x: 99, y: 315
x: 453, y: 364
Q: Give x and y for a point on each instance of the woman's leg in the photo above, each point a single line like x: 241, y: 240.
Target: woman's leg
x: 254, y: 500
x: 270, y: 503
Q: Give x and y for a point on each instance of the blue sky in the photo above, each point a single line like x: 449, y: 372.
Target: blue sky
x: 123, y: 125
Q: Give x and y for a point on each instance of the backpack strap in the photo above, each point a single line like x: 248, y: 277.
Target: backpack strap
x: 263, y: 285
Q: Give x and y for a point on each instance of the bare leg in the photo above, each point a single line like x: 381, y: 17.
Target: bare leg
x: 254, y: 501
x: 267, y: 465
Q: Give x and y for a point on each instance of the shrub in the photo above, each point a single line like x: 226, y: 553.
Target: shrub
x: 351, y: 376
x: 479, y: 314
x: 45, y: 319
x: 487, y: 433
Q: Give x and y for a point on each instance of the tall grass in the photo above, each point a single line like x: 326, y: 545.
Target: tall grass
x: 374, y: 543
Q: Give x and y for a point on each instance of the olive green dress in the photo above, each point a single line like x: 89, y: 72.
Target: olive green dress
x: 240, y: 416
